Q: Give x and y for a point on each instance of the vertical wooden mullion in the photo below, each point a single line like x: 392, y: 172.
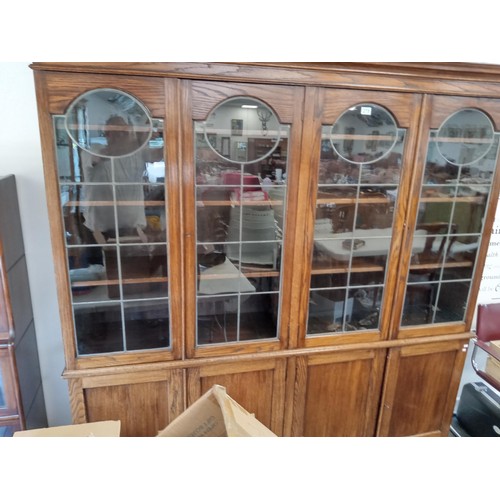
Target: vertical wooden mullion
x: 187, y: 178
x: 299, y: 396
x: 305, y: 207
x: 292, y: 208
x: 193, y: 385
x: 173, y: 161
x: 388, y: 391
x: 408, y: 203
x: 176, y: 395
x: 375, y: 391
x: 289, y: 409
x: 278, y: 398
x: 77, y: 401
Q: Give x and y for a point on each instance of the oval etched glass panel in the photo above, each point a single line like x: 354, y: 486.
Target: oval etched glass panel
x: 364, y: 133
x: 241, y: 130
x: 465, y: 137
x: 108, y: 123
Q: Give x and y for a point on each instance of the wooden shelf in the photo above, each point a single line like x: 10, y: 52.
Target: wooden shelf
x: 437, y: 265
x: 248, y: 274
x: 354, y: 137
x: 351, y: 201
x: 128, y: 281
x: 345, y: 269
x: 451, y: 199
x: 229, y: 203
x: 470, y: 140
x: 145, y: 203
x: 374, y: 268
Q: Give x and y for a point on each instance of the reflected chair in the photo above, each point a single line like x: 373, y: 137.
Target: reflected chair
x: 427, y: 265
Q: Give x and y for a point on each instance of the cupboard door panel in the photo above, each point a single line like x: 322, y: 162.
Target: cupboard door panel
x: 258, y: 386
x: 420, y: 389
x: 143, y: 408
x: 338, y: 394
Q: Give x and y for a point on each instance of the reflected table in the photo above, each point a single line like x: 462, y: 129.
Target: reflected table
x: 376, y: 242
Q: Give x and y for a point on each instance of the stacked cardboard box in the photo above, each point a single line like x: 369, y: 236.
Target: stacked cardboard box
x: 215, y: 414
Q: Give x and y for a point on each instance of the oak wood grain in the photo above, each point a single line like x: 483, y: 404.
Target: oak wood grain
x: 324, y: 385
x: 420, y: 387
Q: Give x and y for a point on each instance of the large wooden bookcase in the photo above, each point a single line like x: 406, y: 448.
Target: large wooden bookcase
x: 329, y: 284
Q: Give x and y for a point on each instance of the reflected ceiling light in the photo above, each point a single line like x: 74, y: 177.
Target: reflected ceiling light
x: 249, y: 106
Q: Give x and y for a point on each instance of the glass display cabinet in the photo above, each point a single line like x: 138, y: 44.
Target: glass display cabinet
x: 315, y: 248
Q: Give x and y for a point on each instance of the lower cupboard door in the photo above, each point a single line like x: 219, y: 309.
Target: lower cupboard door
x: 258, y: 386
x: 336, y: 394
x: 420, y: 389
x: 144, y: 403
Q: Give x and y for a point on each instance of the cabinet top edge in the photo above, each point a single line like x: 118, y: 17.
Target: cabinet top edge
x: 296, y: 71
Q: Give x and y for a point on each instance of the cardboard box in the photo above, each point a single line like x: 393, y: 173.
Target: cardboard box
x: 109, y: 428
x: 216, y: 414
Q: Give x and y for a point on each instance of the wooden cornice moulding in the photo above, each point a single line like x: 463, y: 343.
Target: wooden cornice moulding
x: 445, y: 70
x: 438, y: 78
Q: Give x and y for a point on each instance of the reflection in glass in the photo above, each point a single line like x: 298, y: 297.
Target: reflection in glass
x: 113, y: 207
x: 146, y: 324
x: 364, y: 134
x: 217, y: 319
x: 3, y: 403
x: 9, y: 430
x: 98, y: 328
x: 465, y: 137
x: 241, y: 170
x: 108, y: 123
x: 461, y: 159
x: 355, y: 206
x: 241, y: 130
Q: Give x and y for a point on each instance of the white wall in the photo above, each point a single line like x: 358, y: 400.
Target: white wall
x: 20, y: 154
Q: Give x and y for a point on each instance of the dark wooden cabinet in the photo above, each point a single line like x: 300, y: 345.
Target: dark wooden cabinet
x: 309, y: 236
x: 22, y: 403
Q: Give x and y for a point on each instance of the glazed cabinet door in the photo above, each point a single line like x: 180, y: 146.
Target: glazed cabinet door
x: 335, y: 394
x: 357, y: 153
x: 240, y: 166
x: 258, y: 386
x: 453, y: 201
x: 113, y: 203
x: 421, y: 383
